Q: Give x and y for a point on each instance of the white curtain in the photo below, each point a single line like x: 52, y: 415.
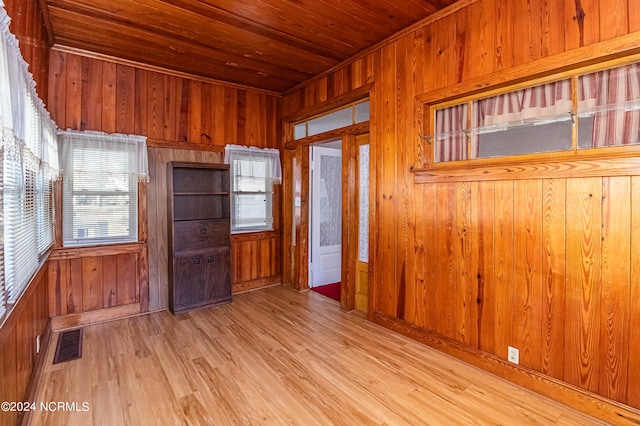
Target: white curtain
x: 29, y: 164
x: 254, y: 159
x: 612, y: 96
x: 79, y: 151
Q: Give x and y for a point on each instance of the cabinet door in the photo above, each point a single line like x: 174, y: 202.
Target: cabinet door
x: 217, y: 274
x: 188, y: 280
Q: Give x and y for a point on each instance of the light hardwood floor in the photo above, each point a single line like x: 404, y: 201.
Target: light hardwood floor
x: 276, y: 356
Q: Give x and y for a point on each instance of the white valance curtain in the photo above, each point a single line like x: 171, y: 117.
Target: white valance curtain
x: 95, y: 153
x: 28, y: 167
x: 258, y: 162
x: 612, y: 96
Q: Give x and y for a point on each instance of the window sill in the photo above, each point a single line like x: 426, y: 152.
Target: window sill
x: 598, y: 162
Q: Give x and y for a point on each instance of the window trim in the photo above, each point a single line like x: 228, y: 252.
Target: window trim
x: 427, y: 104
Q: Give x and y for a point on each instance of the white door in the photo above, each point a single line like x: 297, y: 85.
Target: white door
x: 326, y: 216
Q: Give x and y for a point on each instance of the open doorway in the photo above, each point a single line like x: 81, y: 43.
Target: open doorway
x: 325, y: 221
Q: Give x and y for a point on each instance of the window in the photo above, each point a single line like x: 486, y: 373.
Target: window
x: 343, y: 117
x: 28, y: 168
x: 253, y: 173
x: 542, y: 118
x: 100, y: 186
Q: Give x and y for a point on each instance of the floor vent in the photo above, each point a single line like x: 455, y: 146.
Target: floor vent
x: 69, y: 346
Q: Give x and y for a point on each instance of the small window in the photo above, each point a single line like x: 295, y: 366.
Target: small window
x: 253, y: 173
x: 532, y: 120
x: 343, y: 117
x: 100, y: 187
x: 609, y: 107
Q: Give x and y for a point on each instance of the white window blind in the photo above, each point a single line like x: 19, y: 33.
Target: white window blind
x: 100, y: 186
x: 28, y: 167
x: 253, y: 173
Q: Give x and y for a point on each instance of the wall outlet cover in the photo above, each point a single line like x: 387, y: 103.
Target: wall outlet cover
x: 513, y: 355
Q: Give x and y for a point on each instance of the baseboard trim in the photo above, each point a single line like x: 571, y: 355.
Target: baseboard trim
x: 94, y: 317
x: 574, y: 397
x: 36, y: 373
x: 255, y: 284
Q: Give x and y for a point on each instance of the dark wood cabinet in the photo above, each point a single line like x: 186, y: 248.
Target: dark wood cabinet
x: 199, y: 235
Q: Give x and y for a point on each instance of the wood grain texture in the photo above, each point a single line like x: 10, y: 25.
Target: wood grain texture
x: 27, y: 319
x: 241, y: 363
x: 95, y: 278
x: 162, y: 107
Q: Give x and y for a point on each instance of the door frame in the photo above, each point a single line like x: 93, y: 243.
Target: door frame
x: 296, y: 207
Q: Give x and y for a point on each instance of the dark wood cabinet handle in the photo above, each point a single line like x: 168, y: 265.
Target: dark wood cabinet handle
x: 196, y: 260
x: 203, y: 231
x: 211, y: 259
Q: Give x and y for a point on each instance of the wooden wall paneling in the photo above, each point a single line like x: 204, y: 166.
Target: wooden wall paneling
x: 74, y: 290
x: 220, y: 117
x: 195, y: 112
x: 526, y: 30
x: 302, y: 221
x: 386, y: 170
x: 403, y: 188
x: 109, y: 94
x: 141, y: 96
x: 287, y: 204
x: 91, y: 94
x: 58, y: 91
x: 109, y: 282
x: 157, y: 179
x: 553, y: 279
x: 445, y: 37
x: 73, y: 104
x: 615, y: 292
x: 92, y: 290
x: 634, y: 18
x: 527, y: 283
x: 584, y: 221
x: 207, y: 115
x: 415, y: 198
x: 445, y: 268
x: 633, y: 380
x: 125, y: 99
x: 127, y: 284
x: 582, y: 20
x: 426, y: 306
x: 614, y: 18
x: 481, y: 37
x: 232, y: 117
x: 483, y: 214
x: 464, y: 308
x: 170, y: 104
x: 57, y: 283
x: 503, y: 33
x: 156, y: 105
x: 182, y: 110
x: 553, y: 27
x: 503, y: 266
x: 10, y: 373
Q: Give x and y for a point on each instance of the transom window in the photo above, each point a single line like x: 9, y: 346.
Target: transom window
x: 542, y: 118
x: 346, y: 116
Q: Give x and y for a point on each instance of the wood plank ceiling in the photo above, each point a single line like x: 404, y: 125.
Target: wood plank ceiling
x: 267, y: 44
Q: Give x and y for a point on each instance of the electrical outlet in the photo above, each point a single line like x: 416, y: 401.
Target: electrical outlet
x: 38, y: 344
x: 514, y: 355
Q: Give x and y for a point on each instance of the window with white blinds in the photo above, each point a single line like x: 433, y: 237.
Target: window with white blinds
x: 28, y: 168
x: 253, y: 173
x: 100, y: 186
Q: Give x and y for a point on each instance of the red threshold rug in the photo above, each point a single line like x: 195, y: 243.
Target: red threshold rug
x: 329, y: 290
